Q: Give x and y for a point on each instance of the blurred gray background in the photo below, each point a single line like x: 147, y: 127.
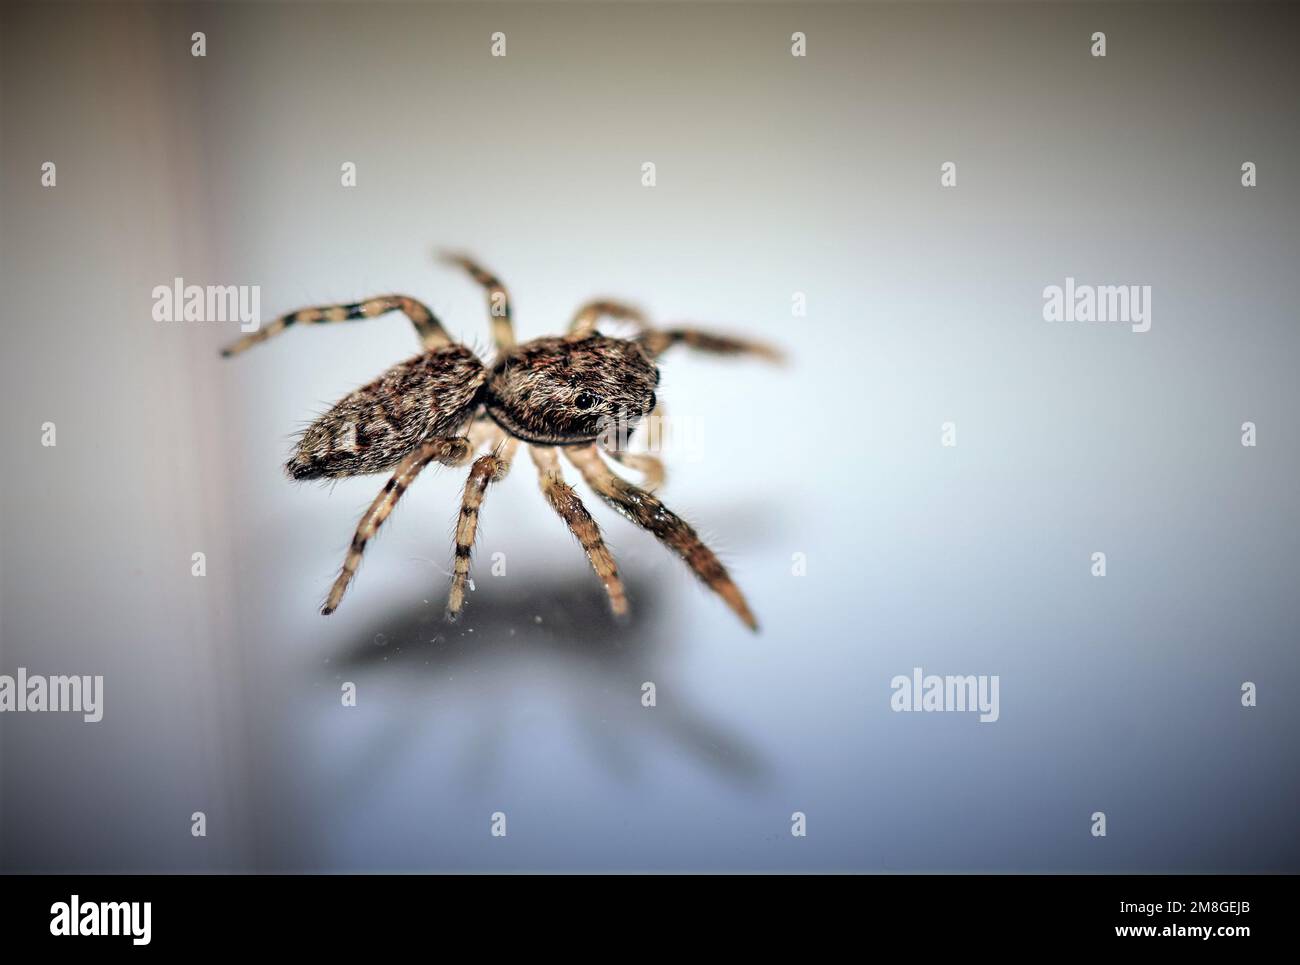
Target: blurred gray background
x: 776, y: 175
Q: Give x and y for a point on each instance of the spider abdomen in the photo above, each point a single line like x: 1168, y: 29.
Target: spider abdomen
x: 373, y: 428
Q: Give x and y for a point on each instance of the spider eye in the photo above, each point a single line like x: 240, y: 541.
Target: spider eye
x: 585, y: 400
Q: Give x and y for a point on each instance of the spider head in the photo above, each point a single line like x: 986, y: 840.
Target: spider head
x: 557, y: 392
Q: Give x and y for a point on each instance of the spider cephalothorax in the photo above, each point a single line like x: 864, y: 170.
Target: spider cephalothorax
x: 560, y: 393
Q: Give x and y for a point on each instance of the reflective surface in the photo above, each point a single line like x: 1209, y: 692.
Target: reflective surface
x: 867, y: 548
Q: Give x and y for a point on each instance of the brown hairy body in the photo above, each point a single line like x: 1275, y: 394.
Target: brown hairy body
x: 575, y: 392
x: 430, y: 396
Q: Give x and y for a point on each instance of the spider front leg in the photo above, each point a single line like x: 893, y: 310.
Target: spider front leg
x: 503, y: 331
x: 430, y: 330
x: 649, y: 513
x: 449, y: 452
x: 488, y: 468
x: 569, y: 507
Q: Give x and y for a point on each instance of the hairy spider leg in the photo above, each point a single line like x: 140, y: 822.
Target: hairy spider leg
x: 488, y: 468
x: 585, y: 319
x: 564, y: 500
x: 449, y: 452
x: 656, y: 341
x: 498, y: 299
x: 650, y: 514
x: 430, y: 330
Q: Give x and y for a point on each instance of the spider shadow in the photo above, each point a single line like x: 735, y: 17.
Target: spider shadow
x: 552, y: 641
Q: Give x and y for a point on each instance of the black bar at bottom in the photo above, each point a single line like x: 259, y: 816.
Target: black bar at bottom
x: 214, y: 913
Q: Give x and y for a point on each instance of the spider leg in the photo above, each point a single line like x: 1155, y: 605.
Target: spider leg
x: 569, y: 507
x: 503, y: 330
x: 430, y: 330
x: 488, y: 468
x: 656, y: 341
x: 649, y: 513
x: 449, y: 452
x: 585, y: 319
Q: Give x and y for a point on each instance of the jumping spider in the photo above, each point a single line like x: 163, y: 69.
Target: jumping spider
x: 444, y: 405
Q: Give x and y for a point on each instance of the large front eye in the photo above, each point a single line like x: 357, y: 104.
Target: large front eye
x: 585, y: 400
